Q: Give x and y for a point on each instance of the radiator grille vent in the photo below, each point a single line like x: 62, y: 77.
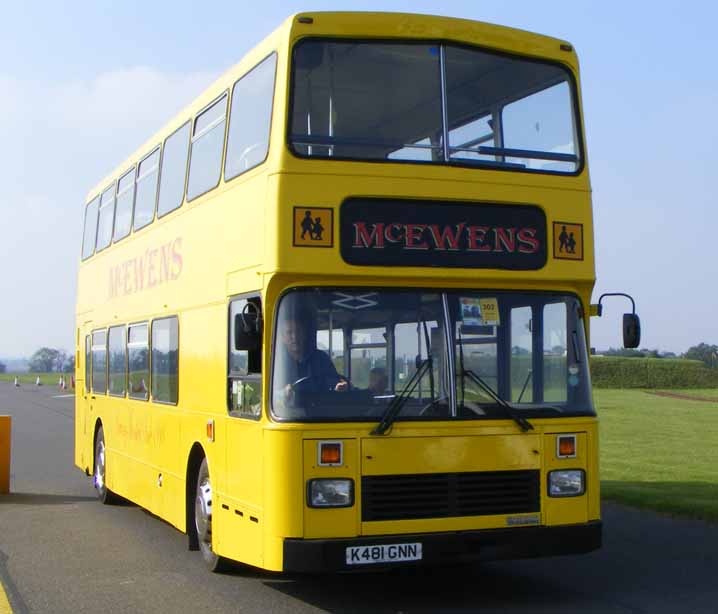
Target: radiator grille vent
x: 445, y: 495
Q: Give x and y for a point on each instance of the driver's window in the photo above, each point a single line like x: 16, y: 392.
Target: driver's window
x: 245, y: 366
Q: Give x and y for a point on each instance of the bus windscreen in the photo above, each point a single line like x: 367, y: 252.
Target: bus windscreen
x: 437, y: 103
x: 346, y: 354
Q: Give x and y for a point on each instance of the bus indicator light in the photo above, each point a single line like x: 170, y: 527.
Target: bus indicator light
x: 330, y: 453
x: 566, y: 446
x: 210, y: 430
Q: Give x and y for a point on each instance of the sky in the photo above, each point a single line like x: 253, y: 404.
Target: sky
x: 82, y: 84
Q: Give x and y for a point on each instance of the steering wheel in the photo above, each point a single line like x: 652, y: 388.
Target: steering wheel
x: 299, y: 384
x: 428, y: 409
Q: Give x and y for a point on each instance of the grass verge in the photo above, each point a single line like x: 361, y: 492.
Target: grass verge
x: 26, y: 379
x: 659, y: 453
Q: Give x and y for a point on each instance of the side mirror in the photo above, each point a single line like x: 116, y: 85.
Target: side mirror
x: 247, y: 327
x: 631, y: 321
x: 631, y: 330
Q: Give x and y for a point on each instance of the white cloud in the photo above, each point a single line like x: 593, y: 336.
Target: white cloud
x: 61, y: 138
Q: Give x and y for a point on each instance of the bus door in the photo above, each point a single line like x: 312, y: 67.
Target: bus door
x: 243, y: 452
x: 83, y: 392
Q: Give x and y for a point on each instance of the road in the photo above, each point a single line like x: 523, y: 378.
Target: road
x: 61, y: 551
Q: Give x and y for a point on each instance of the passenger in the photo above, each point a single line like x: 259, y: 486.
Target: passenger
x: 378, y: 381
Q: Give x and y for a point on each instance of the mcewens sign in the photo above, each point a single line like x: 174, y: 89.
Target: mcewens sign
x: 155, y: 266
x: 379, y: 232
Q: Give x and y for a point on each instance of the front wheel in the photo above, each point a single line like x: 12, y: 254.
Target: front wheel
x: 104, y: 494
x: 203, y: 519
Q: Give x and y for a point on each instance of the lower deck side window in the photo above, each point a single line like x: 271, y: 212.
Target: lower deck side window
x: 138, y: 360
x: 165, y: 360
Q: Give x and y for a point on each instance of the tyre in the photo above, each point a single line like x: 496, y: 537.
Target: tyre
x: 104, y: 494
x: 203, y: 519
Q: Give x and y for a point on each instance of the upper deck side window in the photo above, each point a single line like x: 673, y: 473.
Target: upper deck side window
x: 250, y: 119
x: 107, y: 217
x: 146, y: 189
x: 123, y: 208
x: 174, y: 170
x: 440, y: 103
x: 205, y: 163
x: 90, y: 230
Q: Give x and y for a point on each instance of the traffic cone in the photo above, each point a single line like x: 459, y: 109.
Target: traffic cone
x: 16, y: 382
x: 37, y: 381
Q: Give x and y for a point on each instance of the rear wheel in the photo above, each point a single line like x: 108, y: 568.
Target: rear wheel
x: 203, y: 519
x: 104, y: 494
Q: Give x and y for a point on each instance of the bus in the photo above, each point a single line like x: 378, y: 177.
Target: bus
x: 335, y: 313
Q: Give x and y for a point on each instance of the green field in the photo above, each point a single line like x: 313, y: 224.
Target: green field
x: 47, y: 379
x: 659, y: 452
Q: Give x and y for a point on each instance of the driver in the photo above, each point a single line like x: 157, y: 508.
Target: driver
x: 300, y: 361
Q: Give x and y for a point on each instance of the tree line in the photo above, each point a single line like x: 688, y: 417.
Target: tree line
x: 52, y: 360
x: 706, y: 353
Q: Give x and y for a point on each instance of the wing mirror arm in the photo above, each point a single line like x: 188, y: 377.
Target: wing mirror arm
x: 631, y: 321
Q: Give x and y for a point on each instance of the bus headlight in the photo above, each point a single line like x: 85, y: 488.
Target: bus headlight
x: 566, y: 483
x: 330, y: 493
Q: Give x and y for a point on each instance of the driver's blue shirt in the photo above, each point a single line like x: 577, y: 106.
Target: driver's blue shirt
x: 316, y: 365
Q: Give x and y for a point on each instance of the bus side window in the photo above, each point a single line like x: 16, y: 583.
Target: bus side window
x: 174, y: 171
x: 205, y: 157
x: 89, y: 233
x: 244, y: 395
x: 146, y: 189
x: 88, y: 362
x: 165, y: 360
x: 106, y: 219
x: 138, y: 361
x: 99, y: 361
x: 250, y: 119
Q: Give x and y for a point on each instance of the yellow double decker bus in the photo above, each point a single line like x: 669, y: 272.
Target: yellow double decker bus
x: 335, y: 313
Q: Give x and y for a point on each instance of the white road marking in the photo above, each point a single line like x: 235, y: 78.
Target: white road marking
x: 63, y: 396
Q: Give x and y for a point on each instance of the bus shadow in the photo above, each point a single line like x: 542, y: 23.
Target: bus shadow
x: 454, y: 588
x: 26, y: 498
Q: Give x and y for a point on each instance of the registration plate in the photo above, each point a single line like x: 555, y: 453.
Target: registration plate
x: 384, y: 553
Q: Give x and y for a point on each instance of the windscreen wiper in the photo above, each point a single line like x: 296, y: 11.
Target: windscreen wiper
x: 393, y: 409
x: 510, y: 411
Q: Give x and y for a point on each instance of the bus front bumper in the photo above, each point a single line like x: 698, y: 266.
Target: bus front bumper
x: 322, y: 555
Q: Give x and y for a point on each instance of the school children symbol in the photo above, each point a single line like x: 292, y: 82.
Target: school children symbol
x: 313, y: 227
x: 567, y: 241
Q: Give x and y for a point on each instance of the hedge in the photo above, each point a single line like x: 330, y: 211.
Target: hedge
x: 620, y: 372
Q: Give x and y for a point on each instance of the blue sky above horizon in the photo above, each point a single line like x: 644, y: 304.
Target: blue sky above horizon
x: 83, y: 84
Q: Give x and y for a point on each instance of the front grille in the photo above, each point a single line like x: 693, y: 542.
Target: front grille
x: 445, y: 495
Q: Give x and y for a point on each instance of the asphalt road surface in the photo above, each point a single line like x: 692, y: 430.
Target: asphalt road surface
x: 61, y: 551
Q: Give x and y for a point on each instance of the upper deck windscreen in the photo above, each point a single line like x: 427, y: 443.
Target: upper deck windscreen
x: 420, y: 102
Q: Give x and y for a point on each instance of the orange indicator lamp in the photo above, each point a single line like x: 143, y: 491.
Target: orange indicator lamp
x: 330, y: 453
x: 566, y: 446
